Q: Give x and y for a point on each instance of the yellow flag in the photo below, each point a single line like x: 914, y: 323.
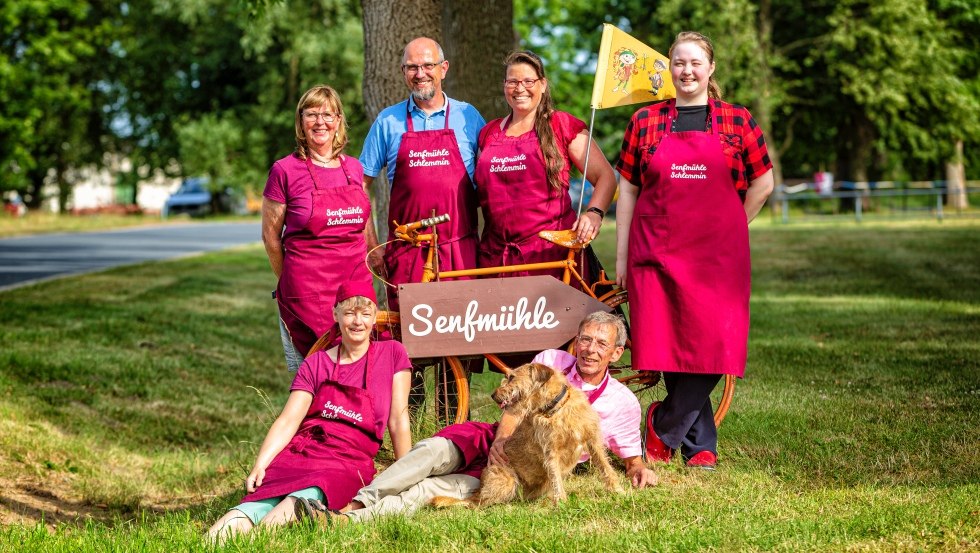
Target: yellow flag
x: 629, y: 72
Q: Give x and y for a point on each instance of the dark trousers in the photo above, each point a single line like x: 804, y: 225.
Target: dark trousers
x: 685, y: 419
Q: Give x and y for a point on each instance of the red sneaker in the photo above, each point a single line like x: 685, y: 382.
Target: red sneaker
x: 654, y: 450
x: 703, y: 460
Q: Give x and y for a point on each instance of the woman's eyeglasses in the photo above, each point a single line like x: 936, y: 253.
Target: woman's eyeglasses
x: 312, y: 116
x: 528, y: 83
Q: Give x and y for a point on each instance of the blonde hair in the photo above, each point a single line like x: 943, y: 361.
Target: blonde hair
x: 355, y: 303
x: 321, y: 95
x: 714, y: 91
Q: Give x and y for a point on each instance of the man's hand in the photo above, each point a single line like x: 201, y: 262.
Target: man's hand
x: 497, y: 455
x: 639, y: 474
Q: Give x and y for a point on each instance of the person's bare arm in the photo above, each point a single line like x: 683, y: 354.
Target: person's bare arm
x: 399, y: 425
x: 273, y: 221
x: 375, y: 256
x: 601, y: 175
x: 624, y: 219
x: 508, y: 423
x: 757, y: 194
x: 280, y: 433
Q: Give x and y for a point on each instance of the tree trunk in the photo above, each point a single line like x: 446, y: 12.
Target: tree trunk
x: 477, y: 36
x: 388, y: 26
x: 956, y: 180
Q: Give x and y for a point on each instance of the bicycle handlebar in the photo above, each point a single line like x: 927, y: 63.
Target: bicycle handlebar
x: 410, y: 228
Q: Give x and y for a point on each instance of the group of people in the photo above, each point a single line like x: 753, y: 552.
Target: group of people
x: 694, y: 171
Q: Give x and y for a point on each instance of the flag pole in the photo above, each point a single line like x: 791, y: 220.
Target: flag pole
x: 585, y: 166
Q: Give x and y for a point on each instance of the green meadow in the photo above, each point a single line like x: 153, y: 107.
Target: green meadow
x: 132, y: 403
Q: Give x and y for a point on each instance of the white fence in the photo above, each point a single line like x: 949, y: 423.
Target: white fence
x: 884, y: 198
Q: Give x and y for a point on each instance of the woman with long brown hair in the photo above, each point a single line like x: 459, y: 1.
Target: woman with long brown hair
x: 522, y: 174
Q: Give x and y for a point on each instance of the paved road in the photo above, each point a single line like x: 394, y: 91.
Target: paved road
x: 29, y: 259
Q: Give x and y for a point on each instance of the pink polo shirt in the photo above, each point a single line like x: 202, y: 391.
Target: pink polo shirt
x: 618, y: 409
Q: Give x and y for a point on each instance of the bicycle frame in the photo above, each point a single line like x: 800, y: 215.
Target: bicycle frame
x: 431, y: 272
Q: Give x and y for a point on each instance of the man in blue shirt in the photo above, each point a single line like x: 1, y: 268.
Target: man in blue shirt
x: 428, y: 144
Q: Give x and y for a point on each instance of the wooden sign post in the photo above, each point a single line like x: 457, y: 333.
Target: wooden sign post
x: 495, y: 315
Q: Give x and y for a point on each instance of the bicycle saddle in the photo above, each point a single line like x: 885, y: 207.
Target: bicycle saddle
x: 565, y: 238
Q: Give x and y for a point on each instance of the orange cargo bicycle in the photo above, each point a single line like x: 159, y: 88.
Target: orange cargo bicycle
x: 446, y: 397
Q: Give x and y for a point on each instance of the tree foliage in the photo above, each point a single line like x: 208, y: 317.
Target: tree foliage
x: 868, y: 90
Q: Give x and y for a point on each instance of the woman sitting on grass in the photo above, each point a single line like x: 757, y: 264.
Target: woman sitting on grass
x: 322, y: 445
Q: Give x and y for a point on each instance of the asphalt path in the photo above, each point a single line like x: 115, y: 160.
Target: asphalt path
x: 29, y: 259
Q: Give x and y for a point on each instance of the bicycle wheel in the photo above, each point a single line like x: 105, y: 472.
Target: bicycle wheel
x: 440, y: 394
x: 648, y: 385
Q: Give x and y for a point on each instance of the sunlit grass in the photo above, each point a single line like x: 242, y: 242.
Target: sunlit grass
x: 135, y: 393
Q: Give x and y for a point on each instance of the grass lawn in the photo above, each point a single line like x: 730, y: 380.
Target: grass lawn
x: 36, y: 222
x: 132, y: 403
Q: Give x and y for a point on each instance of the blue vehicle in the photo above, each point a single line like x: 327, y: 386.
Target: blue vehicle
x: 192, y: 198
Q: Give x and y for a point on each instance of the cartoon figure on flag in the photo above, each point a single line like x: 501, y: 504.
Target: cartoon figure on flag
x: 626, y: 68
x: 657, y: 78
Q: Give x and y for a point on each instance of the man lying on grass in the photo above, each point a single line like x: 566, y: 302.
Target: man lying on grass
x: 450, y: 463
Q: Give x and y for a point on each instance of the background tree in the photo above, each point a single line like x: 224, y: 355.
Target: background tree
x: 50, y: 113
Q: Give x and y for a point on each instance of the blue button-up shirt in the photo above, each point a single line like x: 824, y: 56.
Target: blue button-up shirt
x: 385, y: 137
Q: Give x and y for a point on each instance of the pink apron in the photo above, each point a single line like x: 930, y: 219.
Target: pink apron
x: 327, y: 252
x: 430, y: 175
x: 517, y: 202
x: 333, y: 449
x: 689, y: 270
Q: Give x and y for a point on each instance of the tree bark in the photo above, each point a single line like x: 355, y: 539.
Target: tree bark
x: 956, y: 197
x: 477, y: 36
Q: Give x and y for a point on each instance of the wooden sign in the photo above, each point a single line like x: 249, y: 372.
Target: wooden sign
x: 490, y: 315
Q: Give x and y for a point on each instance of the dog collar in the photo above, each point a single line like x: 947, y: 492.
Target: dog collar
x: 550, y: 409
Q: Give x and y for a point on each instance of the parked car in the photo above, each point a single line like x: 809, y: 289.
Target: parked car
x: 195, y: 199
x: 192, y: 198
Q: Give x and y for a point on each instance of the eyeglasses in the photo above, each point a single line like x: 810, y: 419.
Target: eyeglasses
x: 312, y: 116
x: 528, y: 83
x: 601, y: 345
x: 427, y: 67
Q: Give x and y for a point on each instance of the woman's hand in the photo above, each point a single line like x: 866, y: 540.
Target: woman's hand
x: 588, y: 226
x: 621, y: 271
x: 254, y: 479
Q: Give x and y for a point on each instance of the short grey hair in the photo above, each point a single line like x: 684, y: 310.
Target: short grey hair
x: 603, y: 318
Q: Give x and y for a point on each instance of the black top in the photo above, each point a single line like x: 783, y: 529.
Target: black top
x: 691, y: 118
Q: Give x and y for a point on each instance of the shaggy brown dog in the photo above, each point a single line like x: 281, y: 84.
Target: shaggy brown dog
x: 557, y: 425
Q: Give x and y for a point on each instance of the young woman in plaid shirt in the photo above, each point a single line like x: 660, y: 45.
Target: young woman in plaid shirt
x: 695, y: 171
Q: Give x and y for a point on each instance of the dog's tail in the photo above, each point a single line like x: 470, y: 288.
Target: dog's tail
x: 442, y: 502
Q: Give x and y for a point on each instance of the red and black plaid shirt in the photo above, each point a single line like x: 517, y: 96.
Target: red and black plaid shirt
x: 741, y: 140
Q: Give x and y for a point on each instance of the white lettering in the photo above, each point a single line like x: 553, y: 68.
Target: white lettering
x: 424, y: 319
x: 511, y: 318
x: 331, y: 411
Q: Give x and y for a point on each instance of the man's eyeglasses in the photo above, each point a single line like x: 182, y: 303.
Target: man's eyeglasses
x: 528, y: 83
x: 601, y: 345
x: 312, y: 116
x: 418, y: 68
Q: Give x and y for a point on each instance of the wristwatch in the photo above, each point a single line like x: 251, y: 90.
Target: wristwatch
x: 597, y: 211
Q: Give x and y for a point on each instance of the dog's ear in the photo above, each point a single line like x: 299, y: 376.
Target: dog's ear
x: 541, y: 373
